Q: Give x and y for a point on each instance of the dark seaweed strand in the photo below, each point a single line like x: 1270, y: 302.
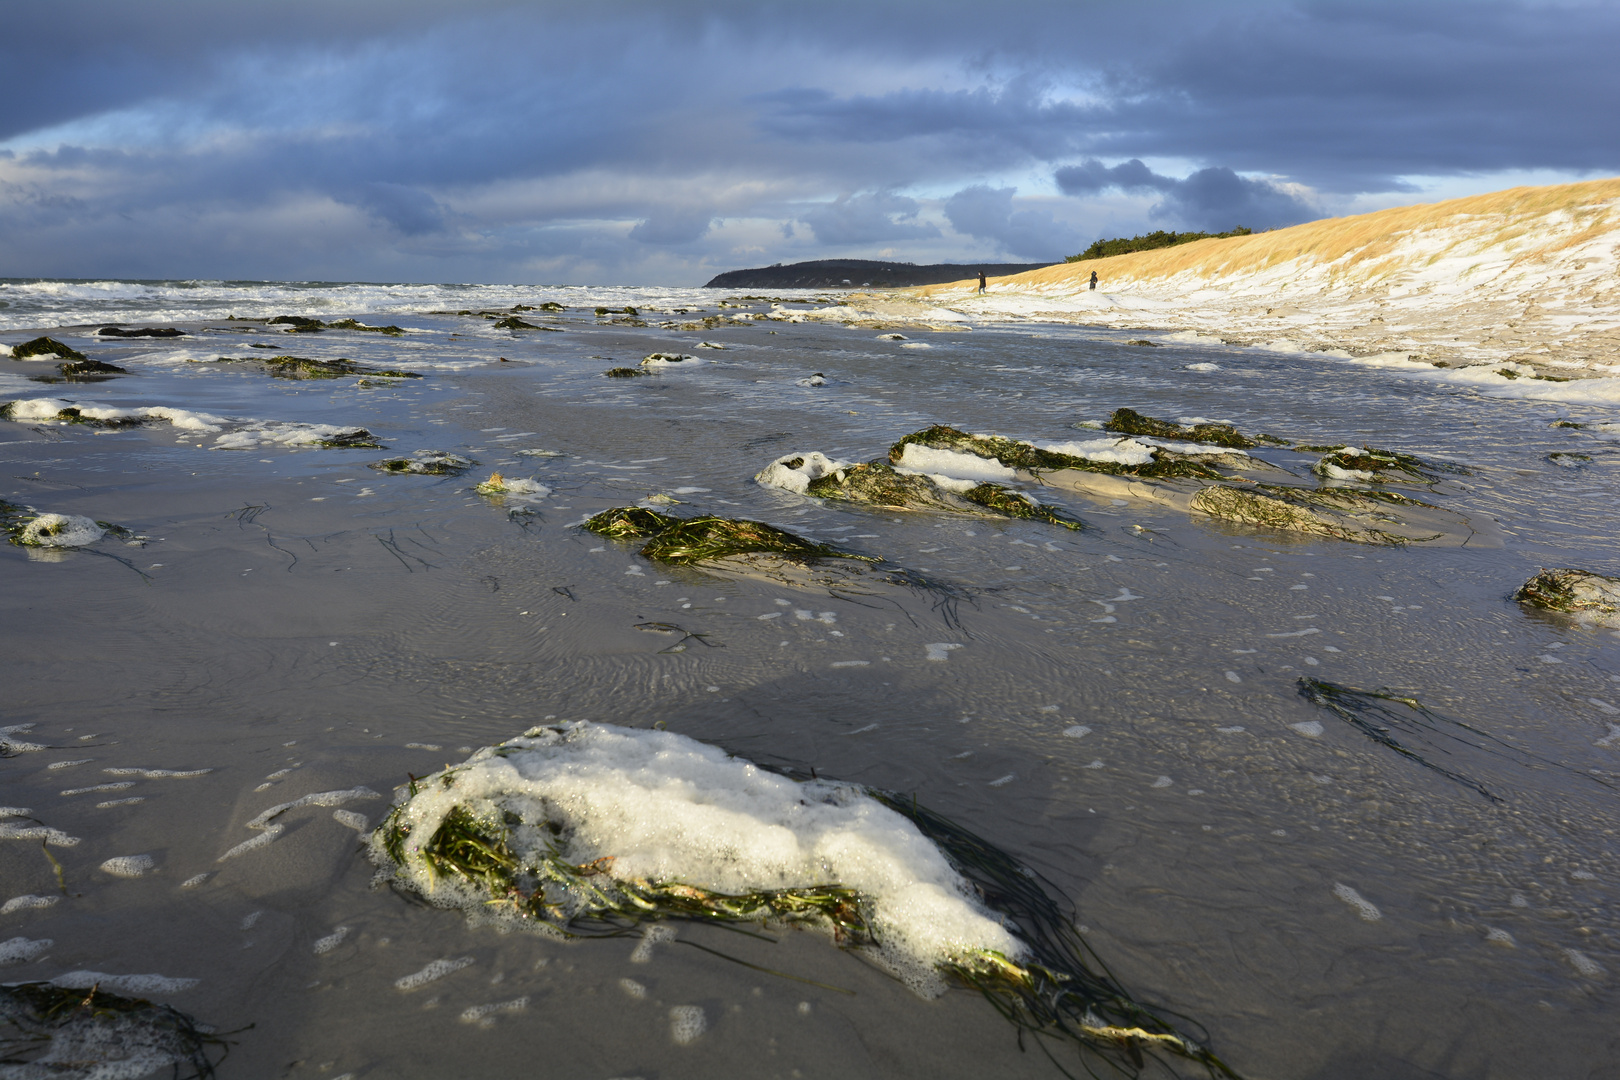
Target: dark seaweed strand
x: 1067, y: 981
x: 1361, y: 710
x: 34, y: 1010
x: 1367, y: 700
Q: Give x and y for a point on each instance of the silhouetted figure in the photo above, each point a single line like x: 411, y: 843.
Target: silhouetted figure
x: 1094, y: 281
x: 981, y: 281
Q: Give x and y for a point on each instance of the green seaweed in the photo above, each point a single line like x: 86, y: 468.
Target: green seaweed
x: 879, y: 484
x: 629, y: 523
x: 425, y: 463
x: 303, y: 367
x: 1382, y: 464
x: 1131, y: 422
x: 44, y: 346
x: 626, y: 373
x: 1295, y: 510
x: 1030, y: 458
x: 512, y: 322
x: 686, y: 541
x: 48, y: 1030
x: 358, y: 439
x: 71, y: 415
x: 702, y: 539
x: 350, y: 324
x: 88, y: 370
x: 1014, y: 504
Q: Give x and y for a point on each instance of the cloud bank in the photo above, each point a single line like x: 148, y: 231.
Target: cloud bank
x: 527, y: 141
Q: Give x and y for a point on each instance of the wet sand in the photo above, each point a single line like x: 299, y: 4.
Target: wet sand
x: 1122, y: 711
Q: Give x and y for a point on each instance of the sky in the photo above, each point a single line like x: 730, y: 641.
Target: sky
x: 663, y: 142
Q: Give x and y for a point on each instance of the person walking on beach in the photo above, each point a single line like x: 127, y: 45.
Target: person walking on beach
x: 981, y: 281
x: 1094, y: 281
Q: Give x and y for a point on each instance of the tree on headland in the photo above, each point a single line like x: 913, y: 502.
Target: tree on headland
x: 1101, y: 249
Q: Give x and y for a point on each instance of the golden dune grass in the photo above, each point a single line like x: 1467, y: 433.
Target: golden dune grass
x: 1367, y: 244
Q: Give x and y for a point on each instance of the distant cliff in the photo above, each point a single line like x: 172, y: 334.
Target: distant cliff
x: 859, y: 274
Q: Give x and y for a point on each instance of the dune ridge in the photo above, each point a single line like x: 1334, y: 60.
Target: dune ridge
x: 1524, y: 276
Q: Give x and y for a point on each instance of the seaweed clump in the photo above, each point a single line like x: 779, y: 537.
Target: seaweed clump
x: 350, y: 324
x: 52, y: 1031
x: 144, y: 332
x: 879, y: 484
x: 625, y: 373
x: 1031, y: 458
x: 1357, y: 516
x: 88, y: 370
x: 303, y: 367
x: 72, y: 414
x: 512, y: 322
x: 303, y: 324
x: 1590, y: 598
x: 44, y: 346
x: 426, y: 463
x: 1131, y: 422
x: 1376, y: 466
x: 517, y: 841
x: 685, y: 541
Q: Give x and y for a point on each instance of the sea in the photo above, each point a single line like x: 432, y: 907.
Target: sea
x: 1419, y: 884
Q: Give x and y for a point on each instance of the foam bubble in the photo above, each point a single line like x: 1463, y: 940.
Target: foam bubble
x: 27, y: 902
x: 793, y: 472
x: 129, y: 865
x: 319, y: 798
x: 1364, y: 908
x: 1583, y: 963
x: 61, y: 531
x: 134, y: 985
x: 19, y: 950
x: 940, y: 650
x: 950, y: 463
x: 687, y: 1023
x: 434, y: 971
x: 484, y: 1015
x: 159, y: 774
x: 264, y: 839
x: 37, y: 832
x: 349, y: 819
x: 331, y: 941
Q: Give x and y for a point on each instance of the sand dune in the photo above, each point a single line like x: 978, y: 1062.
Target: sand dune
x: 1525, y: 276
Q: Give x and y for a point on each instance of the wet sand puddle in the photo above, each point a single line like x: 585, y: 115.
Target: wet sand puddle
x: 1166, y: 716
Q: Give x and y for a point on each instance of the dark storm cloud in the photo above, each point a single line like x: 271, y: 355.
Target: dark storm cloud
x: 866, y: 218
x: 675, y: 225
x: 1214, y: 199
x: 987, y: 213
x: 407, y: 209
x: 502, y: 131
